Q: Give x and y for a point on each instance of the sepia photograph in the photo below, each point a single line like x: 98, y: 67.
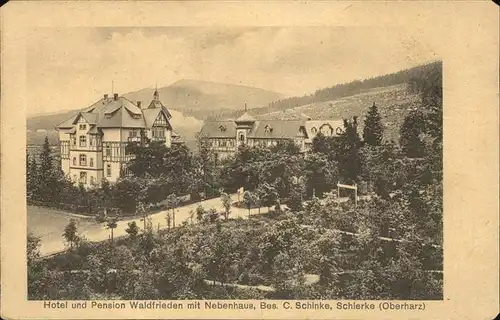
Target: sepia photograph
x: 249, y: 160
x: 181, y: 163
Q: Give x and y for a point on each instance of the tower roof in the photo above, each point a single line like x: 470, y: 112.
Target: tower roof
x: 245, y: 118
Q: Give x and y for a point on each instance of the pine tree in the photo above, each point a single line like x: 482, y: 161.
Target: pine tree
x: 46, y: 162
x: 46, y: 174
x: 411, y: 134
x: 373, y: 131
x: 32, y: 178
x: 348, y: 145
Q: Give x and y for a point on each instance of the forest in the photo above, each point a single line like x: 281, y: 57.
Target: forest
x: 407, y: 76
x: 386, y: 245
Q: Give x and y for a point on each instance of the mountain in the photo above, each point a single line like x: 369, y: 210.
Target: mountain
x: 205, y: 100
x: 189, y: 102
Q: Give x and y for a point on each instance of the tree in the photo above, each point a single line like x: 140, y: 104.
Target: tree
x: 127, y: 193
x: 373, y: 131
x: 32, y: 178
x: 70, y: 232
x: 267, y: 194
x: 248, y: 200
x: 168, y: 218
x: 347, y: 147
x: 200, y: 212
x: 320, y: 173
x: 46, y: 161
x: 429, y: 85
x: 172, y: 203
x: 132, y: 230
x: 296, y: 198
x: 33, y: 248
x: 47, y: 175
x: 412, y: 129
x: 226, y: 203
x: 111, y: 224
x: 205, y: 166
x: 216, y: 253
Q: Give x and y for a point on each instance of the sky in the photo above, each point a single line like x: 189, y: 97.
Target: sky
x: 70, y: 68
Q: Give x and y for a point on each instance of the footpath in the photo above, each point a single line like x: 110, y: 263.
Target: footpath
x: 99, y: 232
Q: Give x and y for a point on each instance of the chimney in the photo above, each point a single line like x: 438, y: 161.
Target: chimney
x: 139, y: 104
x: 115, y: 96
x: 105, y: 96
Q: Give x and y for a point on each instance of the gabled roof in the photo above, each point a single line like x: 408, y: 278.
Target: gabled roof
x: 117, y: 113
x: 68, y: 131
x: 121, y: 118
x: 68, y: 123
x: 219, y: 129
x: 150, y: 116
x: 273, y: 129
x: 277, y: 129
x: 320, y: 123
x: 91, y: 118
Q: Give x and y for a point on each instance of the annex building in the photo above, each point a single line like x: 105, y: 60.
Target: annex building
x: 224, y: 137
x: 92, y: 142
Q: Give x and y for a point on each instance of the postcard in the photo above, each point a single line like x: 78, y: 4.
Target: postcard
x: 249, y: 160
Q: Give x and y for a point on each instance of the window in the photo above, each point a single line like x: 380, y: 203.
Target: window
x: 83, y: 126
x: 91, y: 162
x: 242, y: 137
x: 222, y: 128
x: 92, y: 180
x: 74, y: 162
x: 83, y: 141
x: 158, y: 133
x: 73, y: 140
x: 314, y: 130
x: 91, y: 141
x: 83, y: 177
x: 108, y: 170
x: 268, y: 129
x: 108, y: 150
x: 83, y: 160
x: 132, y: 133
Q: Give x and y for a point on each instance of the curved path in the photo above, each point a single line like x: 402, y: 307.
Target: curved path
x: 52, y: 241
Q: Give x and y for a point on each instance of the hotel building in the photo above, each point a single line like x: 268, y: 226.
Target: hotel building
x: 93, y: 141
x: 226, y: 136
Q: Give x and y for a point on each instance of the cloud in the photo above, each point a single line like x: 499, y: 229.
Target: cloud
x: 69, y: 68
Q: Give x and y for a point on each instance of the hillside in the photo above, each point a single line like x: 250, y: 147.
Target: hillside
x: 189, y: 102
x: 344, y: 90
x: 393, y: 103
x: 204, y: 99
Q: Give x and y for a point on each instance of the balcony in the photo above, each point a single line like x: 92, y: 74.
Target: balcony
x: 85, y: 147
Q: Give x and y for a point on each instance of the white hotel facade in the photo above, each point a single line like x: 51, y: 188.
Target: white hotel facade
x: 92, y: 142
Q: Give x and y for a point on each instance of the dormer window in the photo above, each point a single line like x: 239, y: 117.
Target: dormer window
x: 314, y: 130
x: 268, y: 129
x: 222, y: 128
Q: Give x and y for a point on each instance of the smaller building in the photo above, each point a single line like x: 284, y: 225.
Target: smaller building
x: 226, y: 136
